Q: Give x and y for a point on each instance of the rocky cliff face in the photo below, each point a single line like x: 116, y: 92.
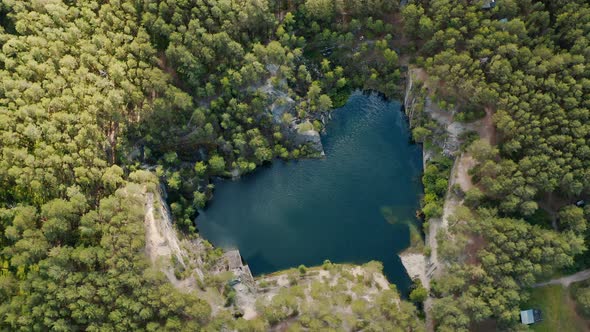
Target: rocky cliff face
x: 410, y: 96
x: 166, y: 250
x: 413, y: 105
x: 302, y: 135
x: 419, y: 106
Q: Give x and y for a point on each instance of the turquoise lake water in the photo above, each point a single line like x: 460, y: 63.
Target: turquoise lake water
x: 303, y: 212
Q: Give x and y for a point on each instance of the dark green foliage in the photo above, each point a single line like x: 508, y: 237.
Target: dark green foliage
x: 418, y: 293
x: 532, y: 76
x: 99, y: 282
x: 95, y: 90
x: 503, y: 256
x: 581, y: 294
x: 435, y: 180
x: 75, y: 78
x: 530, y: 69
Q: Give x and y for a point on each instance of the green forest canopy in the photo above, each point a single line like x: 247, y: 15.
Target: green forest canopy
x: 93, y: 91
x: 526, y: 60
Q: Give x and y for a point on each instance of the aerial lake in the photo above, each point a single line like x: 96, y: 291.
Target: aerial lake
x: 350, y: 207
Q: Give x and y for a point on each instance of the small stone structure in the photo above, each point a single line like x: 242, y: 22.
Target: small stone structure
x: 243, y: 282
x: 232, y: 261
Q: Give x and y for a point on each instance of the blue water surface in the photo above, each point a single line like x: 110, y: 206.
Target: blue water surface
x: 303, y: 212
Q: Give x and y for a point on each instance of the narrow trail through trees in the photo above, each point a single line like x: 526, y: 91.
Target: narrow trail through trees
x: 459, y: 175
x: 567, y: 280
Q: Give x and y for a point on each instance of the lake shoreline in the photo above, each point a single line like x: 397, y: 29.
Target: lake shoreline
x: 398, y: 114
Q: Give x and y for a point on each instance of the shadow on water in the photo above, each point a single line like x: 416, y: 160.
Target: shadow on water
x: 352, y: 206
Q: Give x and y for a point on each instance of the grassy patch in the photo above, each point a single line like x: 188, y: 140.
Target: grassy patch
x: 558, y: 312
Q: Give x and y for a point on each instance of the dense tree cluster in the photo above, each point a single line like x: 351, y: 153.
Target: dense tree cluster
x: 491, y: 259
x: 525, y: 61
x: 93, y: 91
x: 69, y: 266
x: 435, y: 180
x: 581, y: 294
x: 71, y: 220
x: 250, y: 71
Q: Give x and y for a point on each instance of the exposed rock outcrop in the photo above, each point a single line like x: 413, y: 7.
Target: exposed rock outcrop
x: 164, y: 248
x: 304, y: 133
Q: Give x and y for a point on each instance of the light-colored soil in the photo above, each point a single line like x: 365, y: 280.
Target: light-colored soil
x: 420, y: 75
x: 246, y: 300
x: 486, y: 129
x: 415, y: 264
x: 381, y: 281
x: 161, y: 243
x: 280, y: 280
x: 465, y: 163
x: 164, y: 247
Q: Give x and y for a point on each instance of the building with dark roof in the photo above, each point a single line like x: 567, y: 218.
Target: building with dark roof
x: 530, y: 316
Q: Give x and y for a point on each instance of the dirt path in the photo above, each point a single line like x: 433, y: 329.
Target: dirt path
x: 460, y: 172
x: 486, y: 129
x: 459, y: 175
x: 466, y: 162
x: 432, y: 266
x: 567, y: 280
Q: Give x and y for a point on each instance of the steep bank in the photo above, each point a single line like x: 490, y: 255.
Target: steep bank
x: 418, y: 103
x: 163, y: 246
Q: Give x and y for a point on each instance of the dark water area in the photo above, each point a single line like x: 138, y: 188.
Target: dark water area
x: 349, y: 207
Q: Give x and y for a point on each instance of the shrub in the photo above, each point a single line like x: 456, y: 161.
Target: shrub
x: 433, y: 210
x: 302, y: 269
